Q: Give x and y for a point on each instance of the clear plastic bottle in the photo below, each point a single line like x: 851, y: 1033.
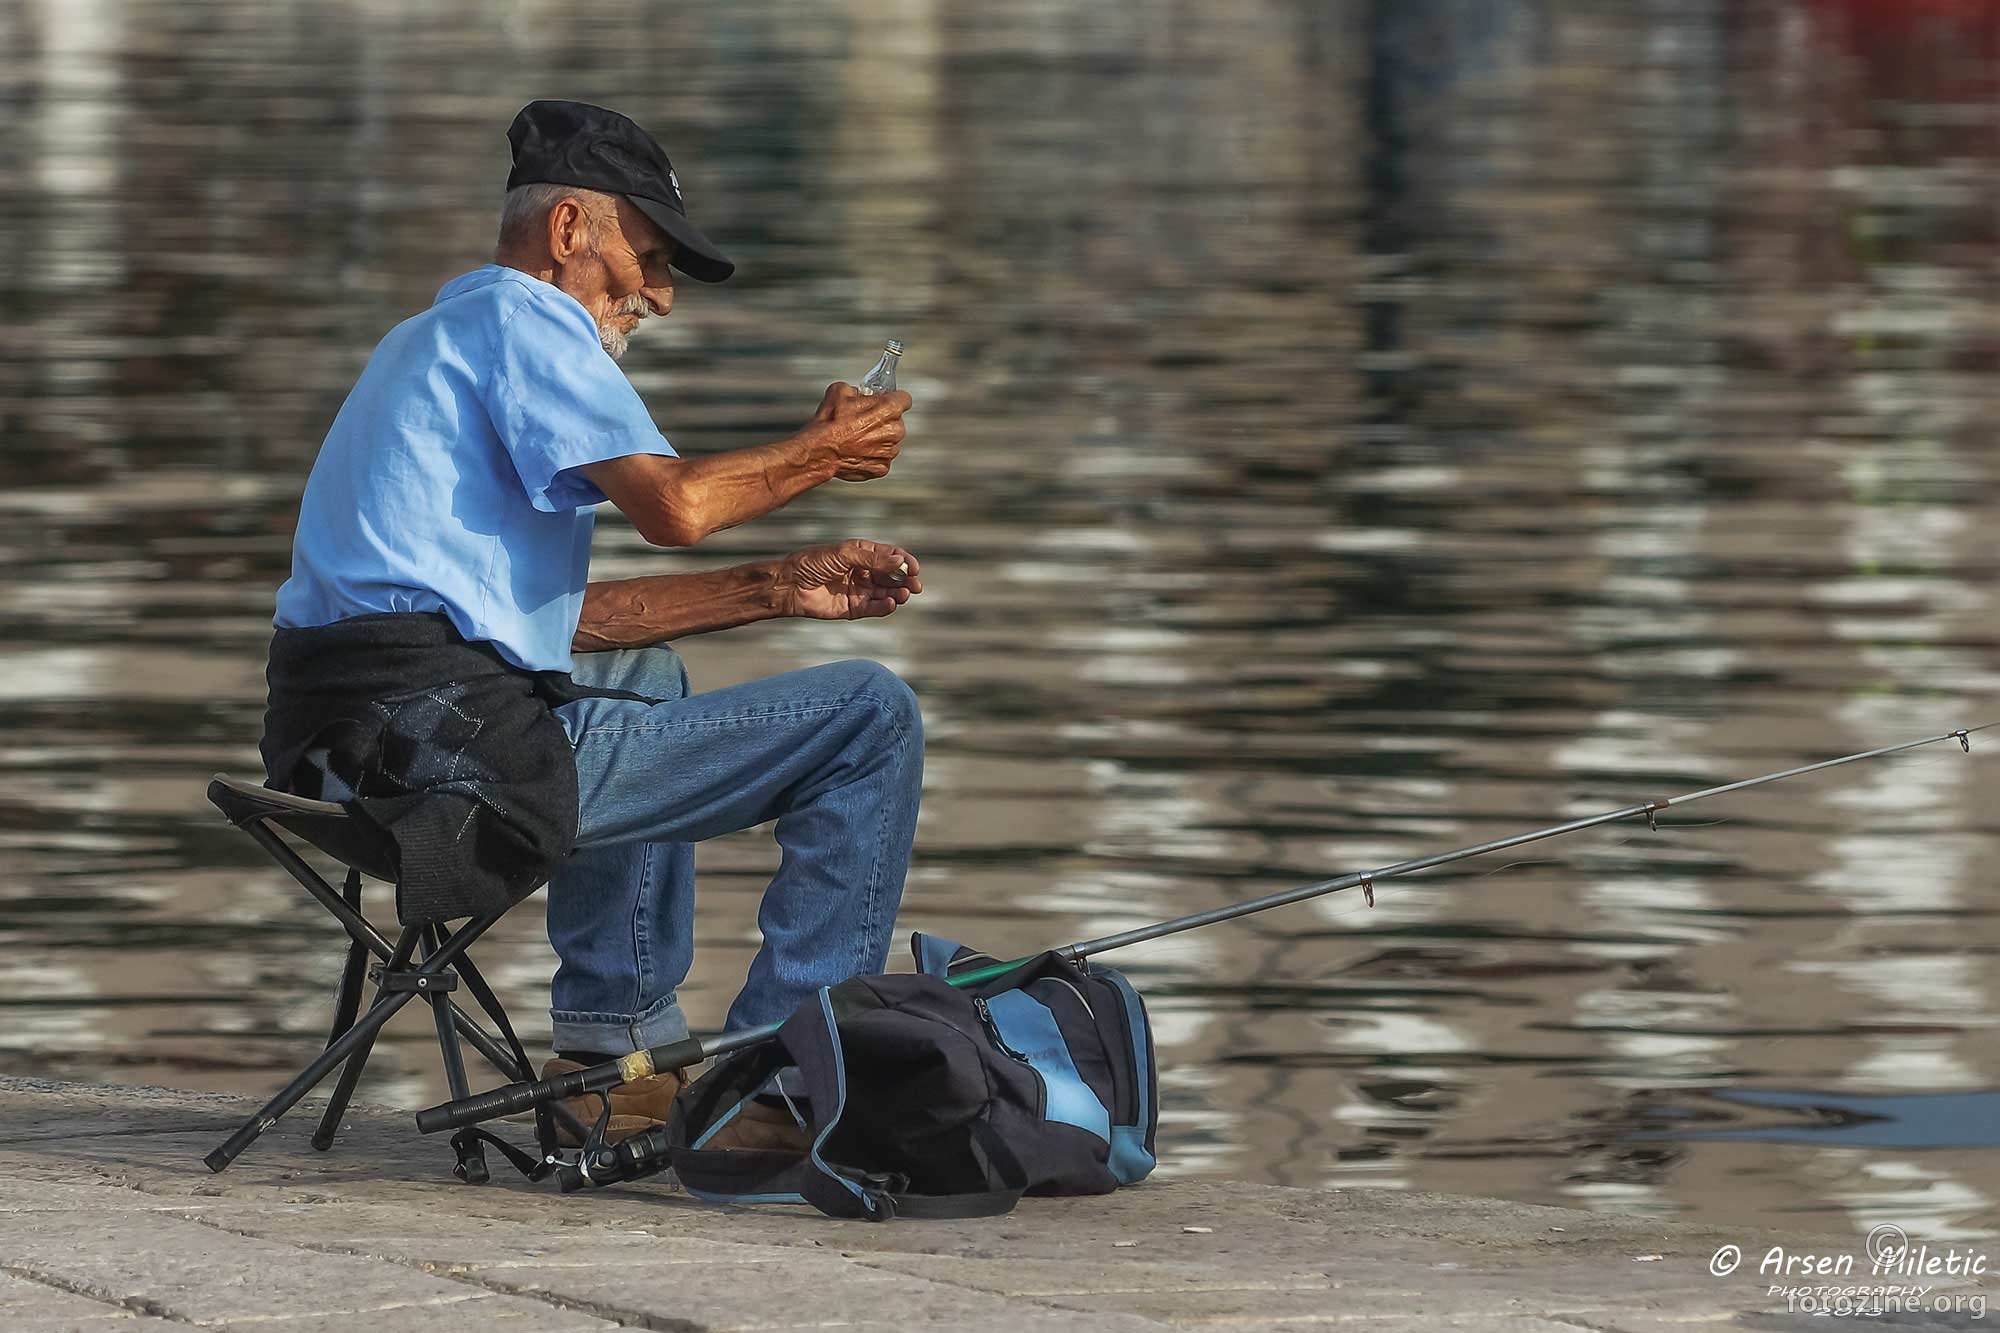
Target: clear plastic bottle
x: 882, y: 379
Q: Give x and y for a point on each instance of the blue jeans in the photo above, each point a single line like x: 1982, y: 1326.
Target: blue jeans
x: 834, y: 754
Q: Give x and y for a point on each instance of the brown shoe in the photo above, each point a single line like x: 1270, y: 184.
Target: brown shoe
x: 636, y: 1107
x: 761, y: 1128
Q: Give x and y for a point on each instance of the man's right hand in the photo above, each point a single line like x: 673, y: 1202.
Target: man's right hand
x: 859, y: 433
x: 678, y: 501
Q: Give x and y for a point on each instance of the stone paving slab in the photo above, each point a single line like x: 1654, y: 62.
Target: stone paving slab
x: 183, y: 1270
x: 28, y: 1304
x: 813, y: 1290
x: 1044, y: 1279
x: 108, y: 1220
x: 448, y: 1242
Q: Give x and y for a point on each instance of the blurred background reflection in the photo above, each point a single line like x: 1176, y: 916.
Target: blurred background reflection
x: 1346, y: 430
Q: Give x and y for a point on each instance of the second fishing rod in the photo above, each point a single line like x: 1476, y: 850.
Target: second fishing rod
x: 518, y: 1097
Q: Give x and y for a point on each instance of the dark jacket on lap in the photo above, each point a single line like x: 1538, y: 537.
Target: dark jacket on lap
x: 451, y: 752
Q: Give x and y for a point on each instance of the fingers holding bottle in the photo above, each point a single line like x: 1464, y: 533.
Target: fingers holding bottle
x: 859, y: 434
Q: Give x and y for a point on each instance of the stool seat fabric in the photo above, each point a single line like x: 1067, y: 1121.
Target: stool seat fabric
x: 323, y: 824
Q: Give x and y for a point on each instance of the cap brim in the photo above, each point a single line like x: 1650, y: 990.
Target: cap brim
x: 696, y: 255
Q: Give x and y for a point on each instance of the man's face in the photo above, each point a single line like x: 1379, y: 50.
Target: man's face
x: 624, y: 277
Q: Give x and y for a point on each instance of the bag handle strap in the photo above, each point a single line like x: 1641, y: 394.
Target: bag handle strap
x: 993, y: 1203
x: 734, y: 1174
x: 883, y: 1205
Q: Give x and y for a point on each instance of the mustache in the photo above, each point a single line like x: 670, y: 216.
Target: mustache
x: 634, y: 304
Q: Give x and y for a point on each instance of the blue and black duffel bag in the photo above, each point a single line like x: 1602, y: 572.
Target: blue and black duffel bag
x: 921, y: 1099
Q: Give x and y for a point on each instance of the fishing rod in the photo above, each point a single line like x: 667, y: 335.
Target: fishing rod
x: 517, y: 1097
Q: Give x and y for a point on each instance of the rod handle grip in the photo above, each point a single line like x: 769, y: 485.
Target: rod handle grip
x: 501, y: 1101
x: 516, y: 1097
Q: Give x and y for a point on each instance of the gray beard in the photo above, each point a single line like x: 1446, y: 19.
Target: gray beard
x: 614, y: 341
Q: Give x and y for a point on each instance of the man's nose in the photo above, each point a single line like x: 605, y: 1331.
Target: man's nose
x: 659, y: 300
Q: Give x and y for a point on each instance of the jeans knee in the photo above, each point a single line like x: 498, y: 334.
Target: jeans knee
x: 889, y: 695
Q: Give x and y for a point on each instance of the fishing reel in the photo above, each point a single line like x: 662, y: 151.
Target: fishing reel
x: 593, y: 1166
x: 599, y: 1164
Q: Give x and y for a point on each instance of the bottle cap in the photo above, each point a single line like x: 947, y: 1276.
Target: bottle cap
x: 893, y: 345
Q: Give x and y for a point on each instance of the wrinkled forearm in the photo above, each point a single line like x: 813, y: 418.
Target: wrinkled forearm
x: 719, y: 491
x: 636, y: 613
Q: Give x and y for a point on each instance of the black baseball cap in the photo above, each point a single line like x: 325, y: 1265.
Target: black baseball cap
x: 575, y: 143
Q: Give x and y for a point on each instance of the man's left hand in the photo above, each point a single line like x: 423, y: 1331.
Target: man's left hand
x: 850, y: 580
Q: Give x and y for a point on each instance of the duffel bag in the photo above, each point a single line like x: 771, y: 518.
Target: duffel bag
x: 921, y: 1099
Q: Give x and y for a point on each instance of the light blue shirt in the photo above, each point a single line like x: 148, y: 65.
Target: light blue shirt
x: 448, y: 482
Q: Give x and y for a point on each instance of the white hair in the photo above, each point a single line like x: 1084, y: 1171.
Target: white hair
x: 524, y: 212
x: 524, y: 215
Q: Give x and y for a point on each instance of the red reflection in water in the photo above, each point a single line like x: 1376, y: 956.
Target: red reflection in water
x: 1924, y: 50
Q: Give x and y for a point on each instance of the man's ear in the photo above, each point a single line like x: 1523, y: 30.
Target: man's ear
x: 569, y: 230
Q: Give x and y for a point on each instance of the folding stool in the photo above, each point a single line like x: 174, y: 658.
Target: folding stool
x: 427, y: 960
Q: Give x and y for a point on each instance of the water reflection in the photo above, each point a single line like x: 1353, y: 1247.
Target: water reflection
x: 1347, y: 430
x: 1933, y: 1120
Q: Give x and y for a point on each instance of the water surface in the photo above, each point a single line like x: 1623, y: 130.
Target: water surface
x: 1346, y: 431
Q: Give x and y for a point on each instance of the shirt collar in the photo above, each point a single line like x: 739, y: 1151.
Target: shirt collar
x: 483, y: 276
x: 488, y: 274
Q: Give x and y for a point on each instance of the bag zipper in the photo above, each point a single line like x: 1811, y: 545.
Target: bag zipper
x: 1124, y: 1090
x: 1076, y: 992
x: 993, y: 1029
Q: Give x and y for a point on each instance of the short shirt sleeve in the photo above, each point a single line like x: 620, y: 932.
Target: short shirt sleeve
x: 559, y: 402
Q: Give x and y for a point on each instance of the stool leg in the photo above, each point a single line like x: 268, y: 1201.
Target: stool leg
x: 447, y: 1030
x: 343, y: 1091
x: 490, y: 1002
x: 482, y: 1041
x: 345, y: 1008
x: 483, y: 995
x: 362, y: 1033
x: 471, y: 1165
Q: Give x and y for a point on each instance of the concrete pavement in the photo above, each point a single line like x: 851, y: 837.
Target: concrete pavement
x: 108, y: 1220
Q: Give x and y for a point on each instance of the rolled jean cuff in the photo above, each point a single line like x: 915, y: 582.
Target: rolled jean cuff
x: 619, y: 1034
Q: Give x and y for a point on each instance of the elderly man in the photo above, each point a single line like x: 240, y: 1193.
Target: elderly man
x: 422, y: 670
